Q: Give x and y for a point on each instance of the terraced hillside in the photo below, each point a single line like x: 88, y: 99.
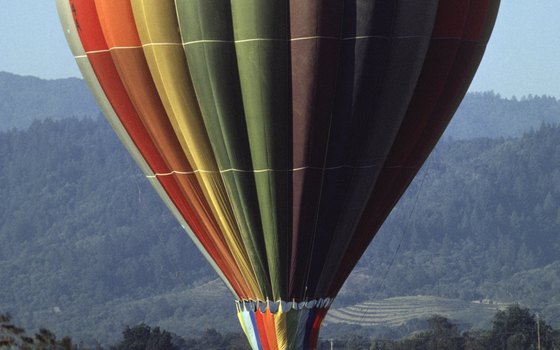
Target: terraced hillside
x: 400, y: 310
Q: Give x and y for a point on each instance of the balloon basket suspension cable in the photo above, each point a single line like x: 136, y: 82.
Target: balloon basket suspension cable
x: 401, y: 239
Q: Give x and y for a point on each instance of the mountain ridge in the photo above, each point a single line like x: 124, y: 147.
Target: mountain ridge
x: 482, y: 114
x: 24, y: 99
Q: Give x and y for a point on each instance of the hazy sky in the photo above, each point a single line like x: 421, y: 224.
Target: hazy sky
x: 522, y: 58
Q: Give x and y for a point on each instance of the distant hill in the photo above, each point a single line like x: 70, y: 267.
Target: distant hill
x: 86, y: 247
x: 490, y: 115
x: 24, y: 99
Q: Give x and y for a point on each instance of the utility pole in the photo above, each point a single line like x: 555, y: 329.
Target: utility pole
x: 332, y: 344
x: 538, y: 332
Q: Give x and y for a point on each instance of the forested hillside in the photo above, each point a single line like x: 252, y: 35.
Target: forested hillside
x: 482, y: 217
x: 25, y: 99
x: 86, y: 247
x: 80, y: 226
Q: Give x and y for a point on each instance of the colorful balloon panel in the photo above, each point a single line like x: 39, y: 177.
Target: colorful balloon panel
x: 449, y: 67
x: 280, y: 133
x: 185, y: 196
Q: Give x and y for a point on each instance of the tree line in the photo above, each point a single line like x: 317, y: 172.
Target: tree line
x: 513, y: 328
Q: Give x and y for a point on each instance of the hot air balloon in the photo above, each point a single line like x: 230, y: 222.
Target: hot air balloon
x: 279, y: 133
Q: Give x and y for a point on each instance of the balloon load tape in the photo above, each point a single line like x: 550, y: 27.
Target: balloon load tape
x: 281, y: 305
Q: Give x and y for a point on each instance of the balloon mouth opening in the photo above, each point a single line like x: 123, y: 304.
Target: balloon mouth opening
x: 269, y: 306
x: 282, y: 324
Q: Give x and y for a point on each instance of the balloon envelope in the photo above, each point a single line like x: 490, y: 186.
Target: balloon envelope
x: 279, y: 133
